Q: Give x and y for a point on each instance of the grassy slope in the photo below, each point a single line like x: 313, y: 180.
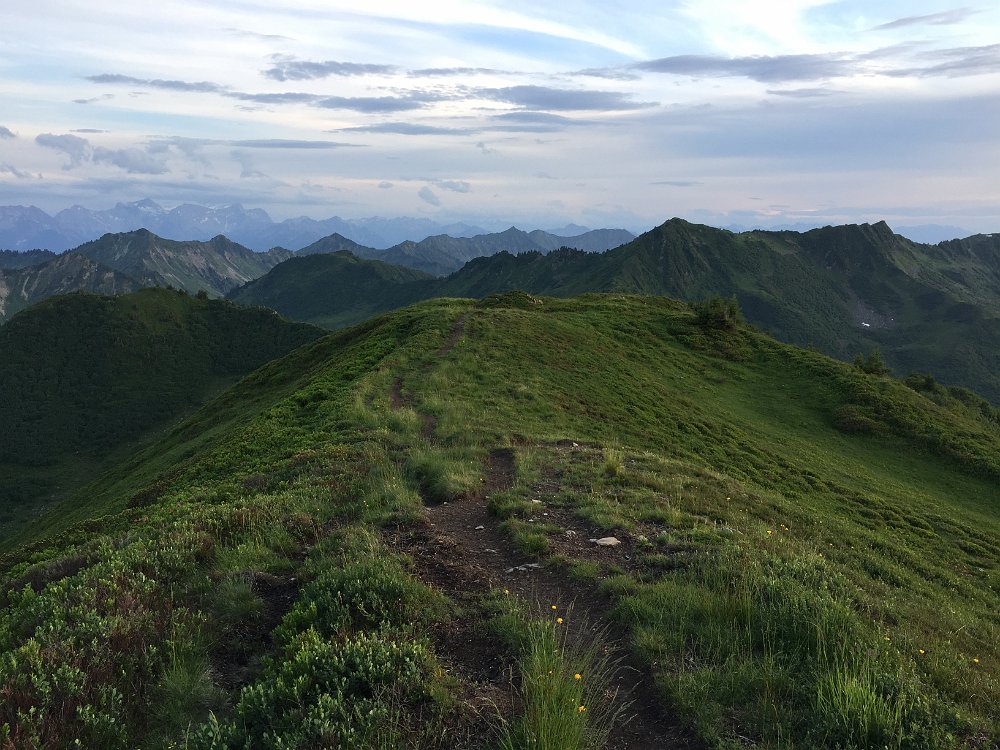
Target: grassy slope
x: 929, y: 309
x: 83, y: 375
x: 787, y: 581
x: 303, y: 287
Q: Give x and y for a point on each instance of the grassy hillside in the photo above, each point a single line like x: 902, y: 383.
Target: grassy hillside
x: 82, y: 375
x: 385, y: 539
x: 308, y: 288
x: 844, y: 290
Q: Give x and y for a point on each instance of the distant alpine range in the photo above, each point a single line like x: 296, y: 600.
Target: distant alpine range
x: 28, y: 227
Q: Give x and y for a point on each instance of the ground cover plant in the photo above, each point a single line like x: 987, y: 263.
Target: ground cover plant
x: 360, y: 545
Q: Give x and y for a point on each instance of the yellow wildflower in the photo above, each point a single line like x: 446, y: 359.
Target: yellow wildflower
x: 577, y: 675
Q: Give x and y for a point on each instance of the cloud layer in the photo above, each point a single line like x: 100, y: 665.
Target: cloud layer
x: 503, y: 112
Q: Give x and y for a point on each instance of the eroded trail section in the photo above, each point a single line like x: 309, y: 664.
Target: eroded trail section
x: 462, y: 550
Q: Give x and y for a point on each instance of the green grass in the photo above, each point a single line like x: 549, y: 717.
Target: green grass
x: 566, y: 680
x: 786, y: 581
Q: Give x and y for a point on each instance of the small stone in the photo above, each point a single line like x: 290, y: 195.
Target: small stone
x: 642, y: 538
x: 570, y: 532
x: 537, y: 502
x: 607, y: 541
x: 480, y: 527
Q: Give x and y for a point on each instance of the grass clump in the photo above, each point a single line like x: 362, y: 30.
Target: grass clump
x: 564, y: 673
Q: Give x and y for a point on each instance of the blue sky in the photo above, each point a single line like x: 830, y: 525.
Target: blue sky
x: 603, y: 114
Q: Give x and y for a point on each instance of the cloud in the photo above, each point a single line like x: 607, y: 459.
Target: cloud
x: 456, y: 186
x: 284, y: 143
x: 802, y: 93
x: 76, y: 148
x: 201, y: 87
x: 677, y: 183
x: 88, y: 130
x: 12, y: 170
x: 614, y: 74
x: 544, y: 97
x: 254, y: 35
x: 132, y: 160
x: 6, y: 132
x: 372, y: 104
x: 763, y: 68
x: 385, y: 185
x: 441, y: 72
x: 406, y: 128
x: 959, y: 61
x: 936, y: 19
x: 532, y: 122
x: 247, y: 169
x: 304, y: 70
x: 289, y: 97
x: 428, y: 196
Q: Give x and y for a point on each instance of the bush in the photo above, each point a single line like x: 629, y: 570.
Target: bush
x: 716, y: 313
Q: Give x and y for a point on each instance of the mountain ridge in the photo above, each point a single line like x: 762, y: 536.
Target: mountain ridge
x: 846, y: 289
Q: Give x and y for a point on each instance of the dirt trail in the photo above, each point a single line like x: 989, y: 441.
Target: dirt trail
x: 462, y: 551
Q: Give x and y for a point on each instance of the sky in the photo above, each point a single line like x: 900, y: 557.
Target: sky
x: 624, y: 114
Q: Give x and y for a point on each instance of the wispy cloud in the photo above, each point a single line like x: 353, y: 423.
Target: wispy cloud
x: 305, y: 70
x: 544, y: 97
x: 203, y: 87
x: 677, y: 183
x: 456, y: 186
x: 371, y: 104
x: 244, y: 34
x: 428, y: 196
x: 76, y: 148
x: 764, y: 69
x: 132, y: 160
x: 288, y: 143
x: 444, y: 72
x: 806, y: 93
x: 960, y: 61
x: 946, y: 18
x: 18, y: 173
x: 407, y: 128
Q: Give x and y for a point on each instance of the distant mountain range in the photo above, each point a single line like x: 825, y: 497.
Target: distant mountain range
x: 122, y: 263
x: 28, y: 227
x: 127, y: 261
x: 845, y: 290
x: 442, y: 254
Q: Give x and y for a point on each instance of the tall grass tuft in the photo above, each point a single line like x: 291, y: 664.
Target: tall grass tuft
x: 566, y: 673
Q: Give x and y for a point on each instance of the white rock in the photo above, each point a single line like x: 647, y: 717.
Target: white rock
x: 480, y: 527
x: 607, y: 541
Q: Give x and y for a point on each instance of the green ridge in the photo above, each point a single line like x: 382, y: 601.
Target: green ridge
x: 83, y: 375
x: 812, y: 555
